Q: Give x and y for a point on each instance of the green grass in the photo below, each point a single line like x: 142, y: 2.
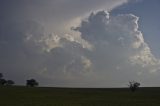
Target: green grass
x: 26, y: 96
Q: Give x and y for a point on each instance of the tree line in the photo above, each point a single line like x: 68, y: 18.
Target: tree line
x: 4, y: 82
x: 133, y: 85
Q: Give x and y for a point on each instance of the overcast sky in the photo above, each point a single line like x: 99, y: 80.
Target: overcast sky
x: 80, y: 43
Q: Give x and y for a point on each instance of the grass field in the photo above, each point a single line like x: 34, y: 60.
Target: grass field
x: 26, y: 96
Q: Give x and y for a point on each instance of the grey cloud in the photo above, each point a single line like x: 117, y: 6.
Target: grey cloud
x: 119, y: 53
x: 19, y: 58
x: 24, y: 54
x: 109, y: 51
x: 54, y: 14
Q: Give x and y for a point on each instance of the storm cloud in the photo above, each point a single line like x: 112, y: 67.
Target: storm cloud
x: 119, y: 48
x: 39, y: 40
x: 109, y: 51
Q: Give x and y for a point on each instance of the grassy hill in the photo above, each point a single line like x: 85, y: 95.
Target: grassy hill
x: 41, y: 96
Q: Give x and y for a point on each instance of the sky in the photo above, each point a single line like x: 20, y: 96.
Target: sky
x: 75, y: 43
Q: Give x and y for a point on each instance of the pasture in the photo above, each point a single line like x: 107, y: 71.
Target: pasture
x: 43, y: 96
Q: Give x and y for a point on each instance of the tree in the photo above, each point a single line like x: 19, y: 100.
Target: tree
x: 31, y: 83
x: 1, y: 75
x: 3, y: 82
x: 10, y: 82
x: 133, y: 86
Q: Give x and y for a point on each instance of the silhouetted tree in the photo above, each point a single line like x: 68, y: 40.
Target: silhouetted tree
x: 31, y: 83
x: 10, y: 82
x: 1, y: 75
x: 133, y: 86
x: 3, y: 82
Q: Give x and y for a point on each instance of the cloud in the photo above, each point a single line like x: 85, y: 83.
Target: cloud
x: 19, y: 55
x: 118, y: 45
x: 56, y: 15
x: 27, y: 51
x: 52, y: 41
x: 118, y: 33
x: 102, y: 51
x: 67, y: 61
x: 110, y: 49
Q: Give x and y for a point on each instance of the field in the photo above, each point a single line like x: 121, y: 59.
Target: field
x: 41, y: 96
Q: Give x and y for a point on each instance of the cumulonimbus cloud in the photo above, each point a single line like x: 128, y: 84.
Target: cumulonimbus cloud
x: 118, y: 42
x: 118, y: 35
x: 109, y: 51
x: 108, y: 46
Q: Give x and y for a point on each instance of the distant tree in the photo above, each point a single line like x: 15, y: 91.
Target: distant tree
x: 3, y: 82
x: 1, y: 75
x: 133, y: 86
x: 10, y: 82
x: 32, y: 83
